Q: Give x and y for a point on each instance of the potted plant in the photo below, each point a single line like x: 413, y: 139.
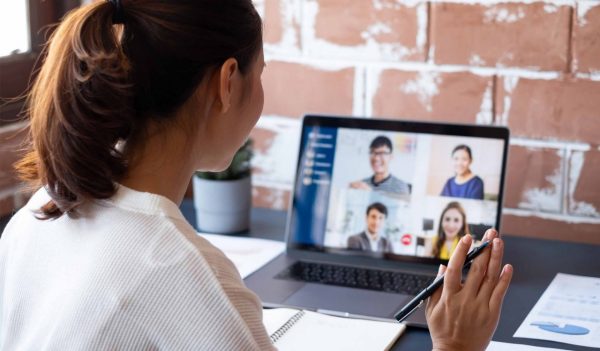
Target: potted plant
x: 223, y: 199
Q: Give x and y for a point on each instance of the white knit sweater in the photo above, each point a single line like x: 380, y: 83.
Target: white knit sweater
x: 130, y: 274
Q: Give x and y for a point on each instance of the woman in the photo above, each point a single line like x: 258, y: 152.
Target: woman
x: 464, y: 184
x: 131, y: 99
x: 452, y: 227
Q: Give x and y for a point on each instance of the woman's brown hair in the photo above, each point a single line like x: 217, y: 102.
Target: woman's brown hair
x: 102, y: 83
x: 464, y: 230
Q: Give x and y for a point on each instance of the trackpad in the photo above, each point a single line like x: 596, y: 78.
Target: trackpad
x: 342, y: 299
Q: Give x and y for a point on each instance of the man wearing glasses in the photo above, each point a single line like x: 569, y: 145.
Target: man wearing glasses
x: 380, y: 155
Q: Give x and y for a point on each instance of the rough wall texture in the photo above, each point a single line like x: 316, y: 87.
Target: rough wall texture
x: 531, y: 65
x: 12, y: 192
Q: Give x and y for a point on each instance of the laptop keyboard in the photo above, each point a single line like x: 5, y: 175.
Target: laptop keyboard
x: 355, y: 277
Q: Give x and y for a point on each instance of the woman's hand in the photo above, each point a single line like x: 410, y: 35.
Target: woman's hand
x: 465, y: 316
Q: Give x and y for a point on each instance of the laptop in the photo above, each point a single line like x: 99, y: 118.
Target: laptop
x: 377, y: 205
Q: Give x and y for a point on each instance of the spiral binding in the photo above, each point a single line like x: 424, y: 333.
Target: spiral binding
x: 287, y: 326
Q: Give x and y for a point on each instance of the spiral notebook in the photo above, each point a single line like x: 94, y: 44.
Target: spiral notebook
x: 292, y: 330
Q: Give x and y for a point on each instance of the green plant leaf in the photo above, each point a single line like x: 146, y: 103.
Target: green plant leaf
x: 239, y: 168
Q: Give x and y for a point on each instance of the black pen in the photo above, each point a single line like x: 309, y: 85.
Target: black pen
x: 428, y: 291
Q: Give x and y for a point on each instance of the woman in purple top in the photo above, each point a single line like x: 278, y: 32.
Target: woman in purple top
x: 464, y: 184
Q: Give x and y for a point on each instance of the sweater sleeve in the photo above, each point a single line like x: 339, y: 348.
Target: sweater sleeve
x: 243, y: 299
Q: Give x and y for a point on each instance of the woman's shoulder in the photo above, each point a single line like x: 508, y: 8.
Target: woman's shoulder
x: 38, y: 198
x: 221, y: 266
x: 476, y: 180
x: 25, y: 216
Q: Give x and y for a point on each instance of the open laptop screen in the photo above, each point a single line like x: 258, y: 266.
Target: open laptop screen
x: 395, y: 189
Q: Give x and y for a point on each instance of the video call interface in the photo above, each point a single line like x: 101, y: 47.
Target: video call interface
x: 386, y: 192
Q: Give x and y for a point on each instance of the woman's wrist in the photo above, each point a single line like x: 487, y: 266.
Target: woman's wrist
x: 454, y: 346
x: 446, y: 348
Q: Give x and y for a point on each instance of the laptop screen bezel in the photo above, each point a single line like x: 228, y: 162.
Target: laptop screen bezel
x: 394, y: 125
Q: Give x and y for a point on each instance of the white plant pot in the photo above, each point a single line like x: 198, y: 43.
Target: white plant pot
x: 222, y: 206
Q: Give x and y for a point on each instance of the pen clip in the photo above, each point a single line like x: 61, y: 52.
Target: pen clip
x: 411, y: 311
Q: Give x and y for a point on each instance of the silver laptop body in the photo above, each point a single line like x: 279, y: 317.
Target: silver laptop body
x: 373, y: 201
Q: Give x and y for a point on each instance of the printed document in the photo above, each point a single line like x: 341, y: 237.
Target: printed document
x: 568, y: 312
x: 503, y: 346
x: 247, y: 254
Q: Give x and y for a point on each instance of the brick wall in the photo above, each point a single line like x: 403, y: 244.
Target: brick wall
x: 12, y: 193
x: 533, y: 66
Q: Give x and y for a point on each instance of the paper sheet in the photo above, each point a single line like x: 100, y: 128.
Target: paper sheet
x: 504, y: 346
x: 247, y: 254
x: 568, y: 311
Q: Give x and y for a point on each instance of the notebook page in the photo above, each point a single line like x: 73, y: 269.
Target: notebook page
x: 315, y: 331
x: 275, y: 318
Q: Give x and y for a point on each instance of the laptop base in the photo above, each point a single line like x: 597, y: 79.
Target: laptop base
x: 338, y: 300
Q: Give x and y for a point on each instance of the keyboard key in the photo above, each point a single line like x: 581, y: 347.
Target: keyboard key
x: 355, y: 277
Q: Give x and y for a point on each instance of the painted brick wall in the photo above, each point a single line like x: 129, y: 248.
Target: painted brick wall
x: 12, y: 193
x: 533, y: 66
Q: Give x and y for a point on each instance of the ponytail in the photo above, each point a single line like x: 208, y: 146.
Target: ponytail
x: 79, y: 107
x: 102, y: 83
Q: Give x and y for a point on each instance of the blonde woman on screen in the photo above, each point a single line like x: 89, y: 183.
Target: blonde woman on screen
x: 132, y: 98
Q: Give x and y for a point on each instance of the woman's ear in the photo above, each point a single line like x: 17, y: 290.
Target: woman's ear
x: 227, y: 75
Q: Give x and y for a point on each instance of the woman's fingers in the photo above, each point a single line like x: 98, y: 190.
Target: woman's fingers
x: 452, y: 279
x: 435, y: 297
x: 479, y: 267
x: 490, y: 234
x: 493, y: 270
x: 500, y: 290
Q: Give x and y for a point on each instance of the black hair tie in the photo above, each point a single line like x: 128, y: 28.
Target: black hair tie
x: 118, y: 15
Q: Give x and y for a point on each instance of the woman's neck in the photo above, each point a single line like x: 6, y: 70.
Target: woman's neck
x: 162, y: 165
x: 461, y: 178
